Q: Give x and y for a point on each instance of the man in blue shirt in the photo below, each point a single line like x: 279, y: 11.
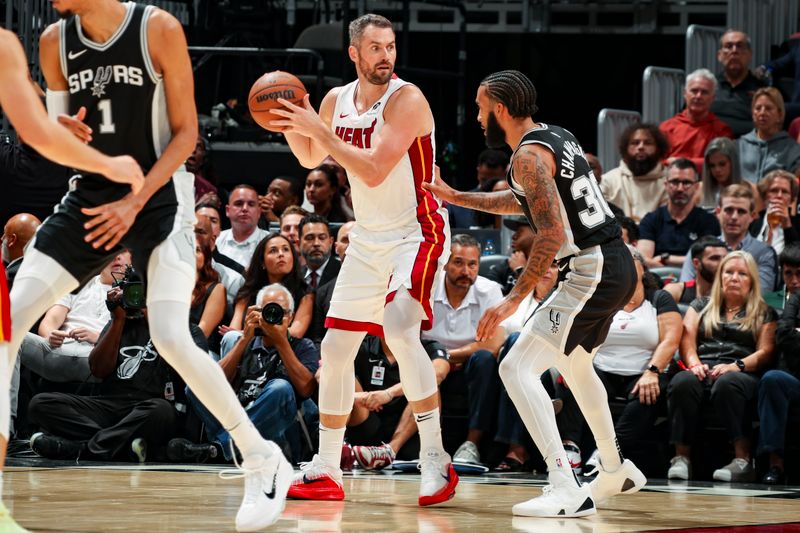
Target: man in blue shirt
x: 735, y: 212
x: 666, y: 234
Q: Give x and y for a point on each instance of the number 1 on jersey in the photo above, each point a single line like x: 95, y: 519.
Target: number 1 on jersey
x: 107, y: 122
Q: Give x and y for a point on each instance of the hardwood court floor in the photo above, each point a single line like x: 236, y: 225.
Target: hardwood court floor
x: 164, y: 499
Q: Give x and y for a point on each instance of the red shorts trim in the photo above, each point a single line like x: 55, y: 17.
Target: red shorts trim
x: 354, y: 325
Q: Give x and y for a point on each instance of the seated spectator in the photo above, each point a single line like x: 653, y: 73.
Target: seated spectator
x: 235, y: 246
x: 274, y: 261
x: 779, y: 390
x: 282, y: 192
x: 728, y: 341
x: 632, y: 361
x: 271, y: 370
x: 736, y: 212
x: 212, y: 213
x: 790, y: 268
x: 199, y: 164
x: 322, y: 192
x: 666, y: 234
x: 637, y: 185
x: 70, y: 329
x: 17, y: 233
x: 322, y: 296
x: 138, y: 406
x: 690, y: 131
x: 594, y: 164
x: 290, y: 224
x: 788, y: 63
x: 720, y: 168
x: 777, y: 225
x: 767, y: 147
x: 344, y: 185
x: 208, y: 296
x: 458, y: 304
x: 735, y: 83
x: 315, y: 246
x: 506, y: 273
x: 630, y: 230
x: 510, y: 428
x: 381, y: 426
x: 706, y: 252
x: 491, y: 167
x: 203, y: 232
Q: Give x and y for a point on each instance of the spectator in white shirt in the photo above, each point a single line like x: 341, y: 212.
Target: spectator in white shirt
x: 458, y: 304
x: 69, y: 329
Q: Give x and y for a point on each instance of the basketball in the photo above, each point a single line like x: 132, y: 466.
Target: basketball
x: 265, y: 92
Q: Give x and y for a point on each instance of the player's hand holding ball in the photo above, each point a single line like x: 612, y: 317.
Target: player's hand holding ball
x: 269, y: 94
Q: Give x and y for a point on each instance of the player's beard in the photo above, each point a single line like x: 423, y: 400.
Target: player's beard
x: 374, y: 76
x: 495, y: 134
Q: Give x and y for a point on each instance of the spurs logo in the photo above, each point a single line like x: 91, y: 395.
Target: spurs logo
x: 101, y: 79
x: 555, y: 320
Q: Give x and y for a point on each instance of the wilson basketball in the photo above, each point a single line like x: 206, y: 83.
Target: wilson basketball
x: 265, y: 92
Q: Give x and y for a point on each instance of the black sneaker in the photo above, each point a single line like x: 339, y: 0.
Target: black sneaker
x: 53, y: 447
x: 774, y: 476
x: 184, y: 451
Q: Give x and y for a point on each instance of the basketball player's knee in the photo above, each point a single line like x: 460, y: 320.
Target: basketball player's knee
x: 169, y: 342
x: 509, y: 368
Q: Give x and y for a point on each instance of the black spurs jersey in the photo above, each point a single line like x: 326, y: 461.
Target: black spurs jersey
x: 588, y: 221
x: 116, y: 82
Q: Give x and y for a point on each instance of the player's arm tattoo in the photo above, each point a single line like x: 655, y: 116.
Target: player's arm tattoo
x: 499, y: 203
x: 535, y: 173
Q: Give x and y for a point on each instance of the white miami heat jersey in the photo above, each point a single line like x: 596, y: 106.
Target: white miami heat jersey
x: 399, y: 202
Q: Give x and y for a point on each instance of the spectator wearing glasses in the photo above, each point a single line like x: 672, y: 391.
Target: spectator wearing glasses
x: 735, y: 83
x: 666, y: 234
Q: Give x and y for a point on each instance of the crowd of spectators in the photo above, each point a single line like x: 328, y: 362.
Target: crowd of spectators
x: 707, y: 202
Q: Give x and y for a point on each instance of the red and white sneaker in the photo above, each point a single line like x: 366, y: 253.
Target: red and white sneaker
x: 374, y: 457
x: 439, y: 478
x: 317, y: 481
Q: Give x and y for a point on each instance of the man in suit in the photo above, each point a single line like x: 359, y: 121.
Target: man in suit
x: 322, y: 302
x: 315, y: 246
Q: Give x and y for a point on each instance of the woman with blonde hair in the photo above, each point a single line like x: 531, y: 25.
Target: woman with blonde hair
x: 767, y: 147
x: 720, y: 169
x: 728, y: 341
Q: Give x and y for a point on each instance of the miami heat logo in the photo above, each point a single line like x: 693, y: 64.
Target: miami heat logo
x: 361, y: 137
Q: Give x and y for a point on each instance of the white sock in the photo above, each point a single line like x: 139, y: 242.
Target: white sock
x: 559, y: 470
x: 249, y: 440
x: 330, y: 445
x: 610, y: 454
x: 430, y: 430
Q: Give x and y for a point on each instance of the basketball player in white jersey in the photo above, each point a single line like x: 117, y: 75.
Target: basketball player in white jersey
x: 125, y: 68
x: 24, y: 109
x: 552, y: 184
x: 380, y: 129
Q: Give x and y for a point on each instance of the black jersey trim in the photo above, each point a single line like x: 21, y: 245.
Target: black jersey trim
x: 129, y: 6
x: 145, y: 45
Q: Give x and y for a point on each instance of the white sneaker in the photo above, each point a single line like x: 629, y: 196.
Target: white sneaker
x: 626, y: 479
x: 590, y: 467
x: 563, y: 501
x: 467, y: 453
x: 266, y: 482
x: 680, y: 467
x: 574, y: 456
x: 438, y: 477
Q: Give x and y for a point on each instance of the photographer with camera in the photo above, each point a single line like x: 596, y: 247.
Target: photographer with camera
x: 270, y: 371
x: 140, y: 399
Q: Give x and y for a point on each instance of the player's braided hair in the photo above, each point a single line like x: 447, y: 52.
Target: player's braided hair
x: 513, y: 89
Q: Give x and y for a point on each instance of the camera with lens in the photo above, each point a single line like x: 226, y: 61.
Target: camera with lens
x: 132, y: 299
x: 272, y: 313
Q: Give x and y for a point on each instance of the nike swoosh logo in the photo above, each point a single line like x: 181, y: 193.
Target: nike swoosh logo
x: 306, y: 480
x: 342, y: 115
x: 271, y: 495
x: 371, y: 360
x: 73, y: 55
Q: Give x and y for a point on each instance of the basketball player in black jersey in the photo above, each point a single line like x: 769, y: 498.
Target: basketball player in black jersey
x: 552, y: 184
x: 125, y: 69
x: 24, y: 109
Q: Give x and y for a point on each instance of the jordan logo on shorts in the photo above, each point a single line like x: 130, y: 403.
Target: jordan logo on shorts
x: 555, y: 320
